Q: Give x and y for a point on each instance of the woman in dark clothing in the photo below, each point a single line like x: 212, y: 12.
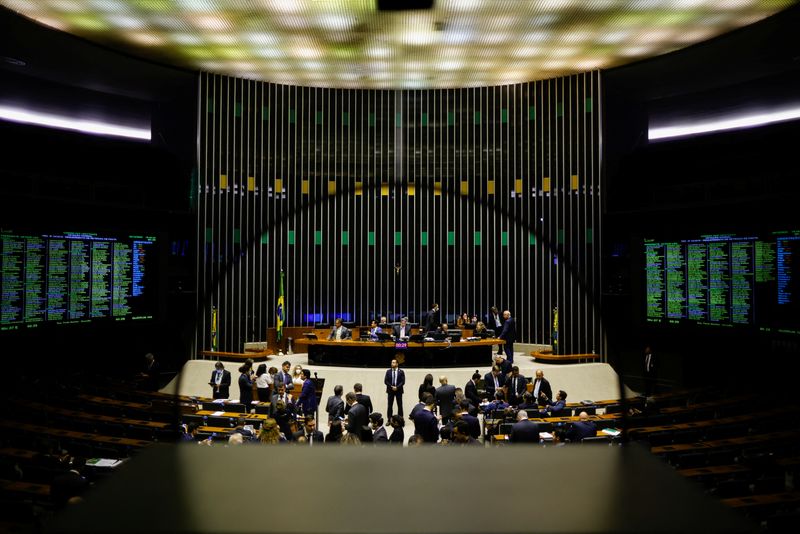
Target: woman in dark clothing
x: 398, y: 436
x: 427, y: 386
x: 245, y: 387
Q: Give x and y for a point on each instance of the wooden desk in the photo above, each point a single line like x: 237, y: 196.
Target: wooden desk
x: 564, y: 358
x: 237, y: 356
x: 763, y: 500
x: 733, y: 442
x: 85, y: 416
x: 716, y: 470
x: 18, y: 454
x: 114, y: 402
x: 26, y: 488
x: 416, y: 354
x: 95, y: 438
x: 235, y: 415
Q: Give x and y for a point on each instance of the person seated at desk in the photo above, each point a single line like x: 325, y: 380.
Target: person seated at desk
x: 461, y: 434
x: 310, y: 433
x: 402, y: 331
x: 374, y: 330
x: 528, y: 402
x: 463, y: 320
x: 480, y: 330
x: 339, y: 332
x: 554, y: 408
x: 582, y: 429
x: 524, y: 430
x: 499, y: 403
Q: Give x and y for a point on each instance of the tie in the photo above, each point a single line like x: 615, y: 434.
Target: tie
x: 648, y: 362
x: 309, y: 438
x: 536, y: 389
x: 496, y: 384
x: 515, y: 386
x: 394, y: 377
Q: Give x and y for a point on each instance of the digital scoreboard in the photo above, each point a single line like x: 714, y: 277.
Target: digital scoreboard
x: 68, y: 278
x: 725, y: 280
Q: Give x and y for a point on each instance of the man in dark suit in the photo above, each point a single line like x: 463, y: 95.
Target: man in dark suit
x: 284, y: 376
x: 504, y: 365
x: 307, y: 402
x: 541, y: 388
x: 310, y: 432
x: 395, y: 379
x: 281, y: 395
x: 432, y: 321
x: 426, y: 424
x: 517, y: 386
x: 650, y: 372
x: 339, y: 332
x: 220, y: 382
x: 582, y: 429
x: 362, y: 399
x: 493, y: 380
x: 508, y: 334
x: 524, y: 430
x: 402, y: 330
x: 555, y: 407
x: 471, y: 420
x: 419, y: 406
x: 357, y: 416
x: 445, y: 395
x: 494, y: 320
x: 150, y: 374
x: 378, y: 430
x: 335, y: 405
x: 471, y: 389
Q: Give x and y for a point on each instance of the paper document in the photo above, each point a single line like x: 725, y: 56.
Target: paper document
x: 545, y: 435
x: 610, y: 432
x: 217, y: 414
x: 103, y: 462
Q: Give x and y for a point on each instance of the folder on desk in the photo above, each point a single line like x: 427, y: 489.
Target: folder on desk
x: 217, y: 414
x: 545, y: 435
x: 610, y: 432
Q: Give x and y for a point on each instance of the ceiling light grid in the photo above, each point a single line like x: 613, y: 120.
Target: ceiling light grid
x: 349, y: 43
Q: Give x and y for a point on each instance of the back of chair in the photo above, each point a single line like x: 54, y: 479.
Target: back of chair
x: 505, y: 428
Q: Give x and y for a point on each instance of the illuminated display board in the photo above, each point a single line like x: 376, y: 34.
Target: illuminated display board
x: 724, y: 280
x: 75, y: 278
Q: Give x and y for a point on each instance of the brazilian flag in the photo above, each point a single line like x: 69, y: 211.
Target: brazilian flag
x: 281, y: 309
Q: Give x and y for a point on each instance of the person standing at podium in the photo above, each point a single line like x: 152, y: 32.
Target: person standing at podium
x: 395, y: 379
x: 220, y: 382
x: 339, y: 331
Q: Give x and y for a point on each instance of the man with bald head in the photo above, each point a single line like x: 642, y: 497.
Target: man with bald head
x: 582, y: 429
x: 541, y: 388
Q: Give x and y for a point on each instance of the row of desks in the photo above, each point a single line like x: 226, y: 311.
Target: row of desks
x: 716, y: 444
x: 56, y: 432
x: 85, y: 416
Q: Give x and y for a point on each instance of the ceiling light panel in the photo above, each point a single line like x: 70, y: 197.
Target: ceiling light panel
x: 349, y: 43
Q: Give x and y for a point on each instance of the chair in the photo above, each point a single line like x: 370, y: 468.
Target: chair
x: 263, y: 410
x: 691, y: 459
x: 566, y: 412
x: 590, y: 410
x: 199, y: 419
x: 235, y: 408
x: 545, y: 427
x: 219, y: 421
x: 505, y: 428
x: 213, y: 406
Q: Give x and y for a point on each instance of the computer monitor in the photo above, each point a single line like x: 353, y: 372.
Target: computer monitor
x: 454, y: 335
x: 384, y: 336
x: 438, y: 336
x: 417, y: 338
x: 310, y: 335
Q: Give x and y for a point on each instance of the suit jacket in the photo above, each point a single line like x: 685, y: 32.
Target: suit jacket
x: 274, y: 401
x: 415, y: 410
x: 524, y: 432
x: 505, y: 367
x: 445, y: 396
x: 316, y: 436
x: 522, y: 387
x: 287, y: 380
x: 427, y: 425
x: 396, y: 331
x: 401, y: 380
x: 357, y: 419
x: 379, y: 436
x: 308, y: 397
x: 373, y: 332
x: 474, y: 425
x: 471, y: 393
x: 488, y: 320
x: 398, y: 436
x: 346, y: 333
x: 334, y: 407
x: 581, y: 430
x: 432, y: 321
x: 224, y: 386
x: 556, y: 406
x: 509, y: 332
x: 365, y: 401
x: 543, y: 388
x: 245, y: 390
x: 488, y: 383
